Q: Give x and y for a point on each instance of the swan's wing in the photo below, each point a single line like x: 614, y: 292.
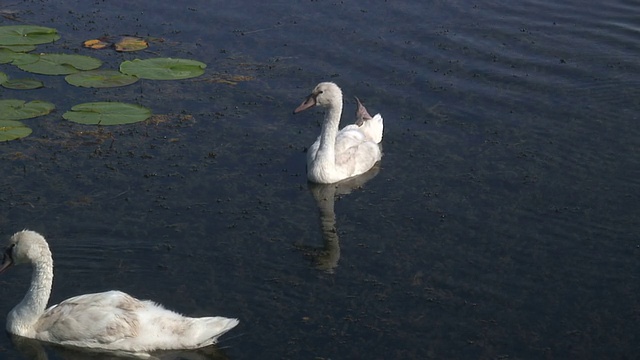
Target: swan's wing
x: 355, y: 153
x: 101, y: 318
x: 370, y: 126
x: 346, y: 160
x: 349, y: 137
x: 373, y: 128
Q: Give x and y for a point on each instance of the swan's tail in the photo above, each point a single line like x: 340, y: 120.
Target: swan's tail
x: 371, y: 126
x: 206, y: 331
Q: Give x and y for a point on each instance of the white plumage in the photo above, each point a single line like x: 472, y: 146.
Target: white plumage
x: 338, y: 155
x: 109, y: 320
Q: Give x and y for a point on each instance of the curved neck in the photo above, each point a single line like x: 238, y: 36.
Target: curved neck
x: 22, y: 319
x: 326, y: 150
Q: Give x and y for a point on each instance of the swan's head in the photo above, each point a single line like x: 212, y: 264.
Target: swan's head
x: 325, y: 94
x: 25, y: 247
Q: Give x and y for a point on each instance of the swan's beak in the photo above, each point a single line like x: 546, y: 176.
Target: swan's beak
x: 307, y: 103
x: 7, y: 260
x: 6, y: 263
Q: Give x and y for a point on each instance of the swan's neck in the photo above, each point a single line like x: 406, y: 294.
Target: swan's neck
x: 327, y: 149
x: 23, y: 318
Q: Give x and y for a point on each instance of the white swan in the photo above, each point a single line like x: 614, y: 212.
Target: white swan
x: 338, y: 155
x: 110, y: 320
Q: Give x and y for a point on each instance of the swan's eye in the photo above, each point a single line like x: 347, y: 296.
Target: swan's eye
x: 320, y: 92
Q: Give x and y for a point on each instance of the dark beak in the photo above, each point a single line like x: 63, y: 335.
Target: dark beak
x: 307, y: 103
x: 7, y: 260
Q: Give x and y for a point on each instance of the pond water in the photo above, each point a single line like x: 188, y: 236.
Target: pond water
x: 501, y: 223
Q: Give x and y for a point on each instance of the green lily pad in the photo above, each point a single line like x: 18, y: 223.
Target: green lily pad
x: 27, y: 35
x: 59, y: 64
x: 100, y: 79
x: 18, y: 48
x: 13, y: 109
x: 18, y: 59
x: 107, y: 113
x: 11, y: 130
x: 163, y: 68
x: 7, y: 56
x: 22, y: 84
x: 3, y: 77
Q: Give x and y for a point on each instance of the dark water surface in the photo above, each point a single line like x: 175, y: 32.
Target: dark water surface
x: 501, y: 223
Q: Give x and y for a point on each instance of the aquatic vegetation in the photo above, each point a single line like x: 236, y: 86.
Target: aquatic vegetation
x: 107, y: 113
x: 11, y: 130
x: 59, y: 64
x: 163, y: 68
x: 100, y: 79
x: 123, y: 44
x: 19, y: 84
x: 13, y: 109
x: 83, y: 71
x: 18, y: 48
x: 6, y: 55
x: 131, y: 43
x: 22, y: 84
x: 96, y: 44
x: 27, y: 35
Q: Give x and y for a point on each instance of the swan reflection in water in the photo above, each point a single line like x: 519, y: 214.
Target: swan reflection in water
x: 326, y: 258
x: 32, y: 349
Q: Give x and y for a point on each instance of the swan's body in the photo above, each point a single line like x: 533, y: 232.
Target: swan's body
x: 338, y: 155
x: 110, y: 320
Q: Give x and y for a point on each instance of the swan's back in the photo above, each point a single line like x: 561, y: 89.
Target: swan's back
x: 357, y: 148
x: 371, y: 128
x: 101, y: 318
x: 115, y: 320
x: 355, y: 153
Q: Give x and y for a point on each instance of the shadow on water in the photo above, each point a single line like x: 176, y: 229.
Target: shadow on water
x: 36, y: 350
x: 326, y: 258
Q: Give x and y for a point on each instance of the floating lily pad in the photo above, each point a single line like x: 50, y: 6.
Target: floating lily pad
x: 7, y: 56
x: 163, y: 68
x: 131, y: 43
x: 19, y: 59
x: 11, y: 130
x: 18, y: 48
x: 27, y: 35
x: 3, y: 77
x: 96, y: 44
x: 13, y: 109
x: 100, y: 79
x: 22, y: 84
x: 59, y: 64
x: 107, y: 113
